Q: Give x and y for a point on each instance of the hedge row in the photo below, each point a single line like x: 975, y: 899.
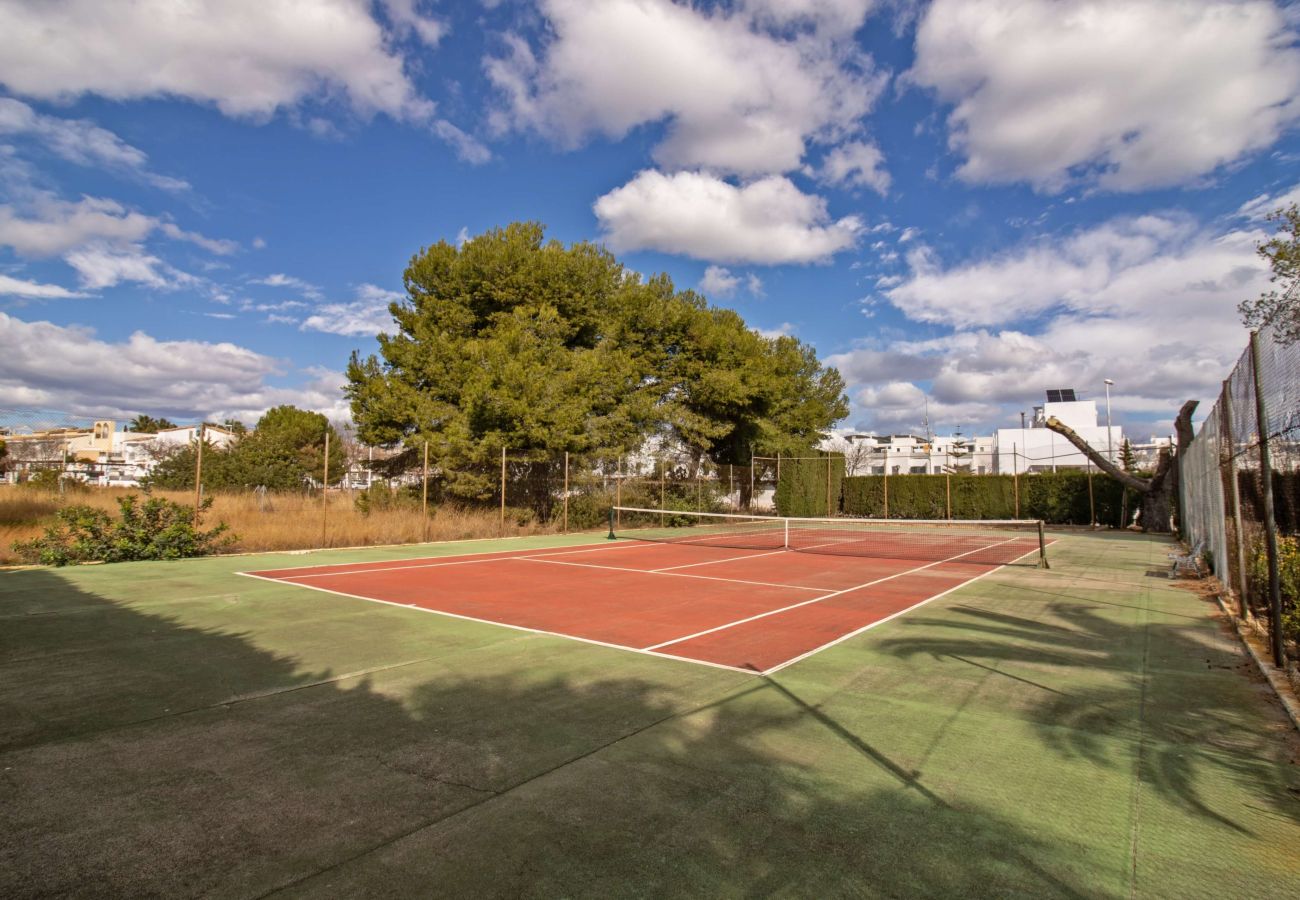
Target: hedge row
x: 802, y: 489
x: 1059, y: 498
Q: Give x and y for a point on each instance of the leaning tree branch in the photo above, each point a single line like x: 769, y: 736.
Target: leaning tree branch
x: 1142, y: 485
x: 1182, y: 425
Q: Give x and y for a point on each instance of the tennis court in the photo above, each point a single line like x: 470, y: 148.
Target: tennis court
x: 739, y: 592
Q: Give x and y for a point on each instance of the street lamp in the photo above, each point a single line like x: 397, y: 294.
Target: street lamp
x: 1110, y: 441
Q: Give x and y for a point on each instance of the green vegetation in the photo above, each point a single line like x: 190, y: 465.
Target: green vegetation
x: 155, y: 529
x: 803, y: 489
x: 143, y: 424
x: 1279, y: 307
x: 1059, y: 498
x: 283, y: 453
x: 510, y: 340
x: 1288, y: 558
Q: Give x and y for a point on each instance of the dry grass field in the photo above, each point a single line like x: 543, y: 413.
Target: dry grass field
x: 271, y: 522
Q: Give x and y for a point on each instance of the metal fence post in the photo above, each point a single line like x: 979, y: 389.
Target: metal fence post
x: 198, y: 475
x: 1270, y: 523
x: 566, y: 491
x: 1015, y: 475
x: 1225, y: 405
x: 325, y: 494
x: 424, y: 496
x: 503, y: 490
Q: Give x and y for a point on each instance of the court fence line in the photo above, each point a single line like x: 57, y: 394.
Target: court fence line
x: 1240, y: 486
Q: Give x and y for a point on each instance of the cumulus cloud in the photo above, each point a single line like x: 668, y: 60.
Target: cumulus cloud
x: 52, y: 226
x: 1130, y: 93
x: 1149, y: 302
x: 103, y: 266
x: 366, y: 315
x: 856, y: 164
x: 742, y: 90
x: 769, y: 221
x: 782, y: 330
x: 45, y: 366
x: 16, y: 287
x: 250, y: 58
x: 719, y: 282
x: 279, y: 279
x: 82, y: 142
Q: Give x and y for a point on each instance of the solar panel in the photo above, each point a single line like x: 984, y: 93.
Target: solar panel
x: 1060, y: 395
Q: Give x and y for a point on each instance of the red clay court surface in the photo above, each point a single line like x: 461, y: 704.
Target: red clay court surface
x: 751, y: 610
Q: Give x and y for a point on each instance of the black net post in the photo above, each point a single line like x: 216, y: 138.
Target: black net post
x: 1042, y: 545
x: 1270, y: 522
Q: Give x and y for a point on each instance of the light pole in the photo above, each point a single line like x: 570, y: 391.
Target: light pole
x: 1110, y: 441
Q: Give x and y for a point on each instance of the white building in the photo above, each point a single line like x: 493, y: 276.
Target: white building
x: 910, y: 454
x: 1036, y: 448
x: 102, y: 455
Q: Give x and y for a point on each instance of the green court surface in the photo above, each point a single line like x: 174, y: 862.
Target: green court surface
x: 1092, y: 730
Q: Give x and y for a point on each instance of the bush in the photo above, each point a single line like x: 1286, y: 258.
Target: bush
x: 380, y: 498
x: 154, y: 529
x: 1060, y: 498
x: 802, y: 488
x: 51, y: 481
x: 1288, y: 565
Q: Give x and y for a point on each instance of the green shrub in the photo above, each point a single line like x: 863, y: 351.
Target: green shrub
x: 51, y: 481
x: 155, y: 529
x: 1288, y: 565
x: 1060, y: 498
x: 380, y: 497
x: 802, y: 488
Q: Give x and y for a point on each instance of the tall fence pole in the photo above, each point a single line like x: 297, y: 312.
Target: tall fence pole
x: 618, y: 494
x: 325, y: 494
x: 503, y: 490
x: 198, y: 474
x: 661, y: 492
x: 1239, y: 537
x: 566, y: 491
x: 830, y: 511
x: 886, y: 485
x: 1270, y: 522
x: 731, y: 488
x: 1015, y: 475
x: 1092, y: 504
x: 947, y: 490
x: 424, y: 496
x: 750, y: 507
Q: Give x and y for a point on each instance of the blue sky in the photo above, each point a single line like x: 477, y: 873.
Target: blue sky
x: 960, y: 203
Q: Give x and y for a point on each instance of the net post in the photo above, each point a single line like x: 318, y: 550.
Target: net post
x: 1270, y: 521
x: 612, y: 514
x: 1226, y: 406
x: 1042, y: 545
x: 785, y: 541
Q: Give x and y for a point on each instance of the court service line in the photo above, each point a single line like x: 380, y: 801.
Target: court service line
x: 856, y: 587
x: 870, y: 625
x: 448, y: 561
x: 560, y: 562
x: 714, y: 562
x: 525, y: 628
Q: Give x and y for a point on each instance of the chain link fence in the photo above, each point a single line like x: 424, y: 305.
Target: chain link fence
x: 1240, y: 482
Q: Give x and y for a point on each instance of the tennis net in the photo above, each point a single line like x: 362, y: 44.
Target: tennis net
x: 990, y: 541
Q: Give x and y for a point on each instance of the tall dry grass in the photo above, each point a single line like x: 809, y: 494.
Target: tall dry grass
x: 272, y: 521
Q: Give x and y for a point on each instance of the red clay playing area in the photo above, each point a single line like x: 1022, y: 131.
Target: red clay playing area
x: 752, y: 610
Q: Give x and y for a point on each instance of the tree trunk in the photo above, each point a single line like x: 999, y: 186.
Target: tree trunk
x: 1159, y: 490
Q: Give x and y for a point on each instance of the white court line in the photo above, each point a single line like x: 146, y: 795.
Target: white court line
x: 870, y: 625
x: 453, y: 560
x: 560, y: 562
x: 451, y: 615
x: 856, y: 587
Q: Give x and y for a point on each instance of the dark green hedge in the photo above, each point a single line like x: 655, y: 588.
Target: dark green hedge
x: 1060, y: 498
x: 801, y: 490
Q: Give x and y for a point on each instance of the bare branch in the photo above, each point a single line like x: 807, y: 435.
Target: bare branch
x: 1141, y: 485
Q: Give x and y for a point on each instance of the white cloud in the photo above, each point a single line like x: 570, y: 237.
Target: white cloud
x: 405, y: 14
x: 1261, y: 206
x: 856, y: 164
x: 769, y: 221
x: 719, y: 282
x: 1148, y: 301
x: 103, y: 266
x: 1131, y: 93
x: 212, y: 245
x: 56, y: 226
x: 742, y: 90
x: 46, y: 366
x: 279, y: 279
x: 82, y: 142
x: 366, y: 315
x: 250, y: 58
x: 16, y: 287
x: 782, y: 330
x: 467, y: 148
x: 754, y: 284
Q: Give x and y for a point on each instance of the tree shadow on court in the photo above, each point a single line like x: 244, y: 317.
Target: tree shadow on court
x: 1140, y: 690
x: 143, y: 754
